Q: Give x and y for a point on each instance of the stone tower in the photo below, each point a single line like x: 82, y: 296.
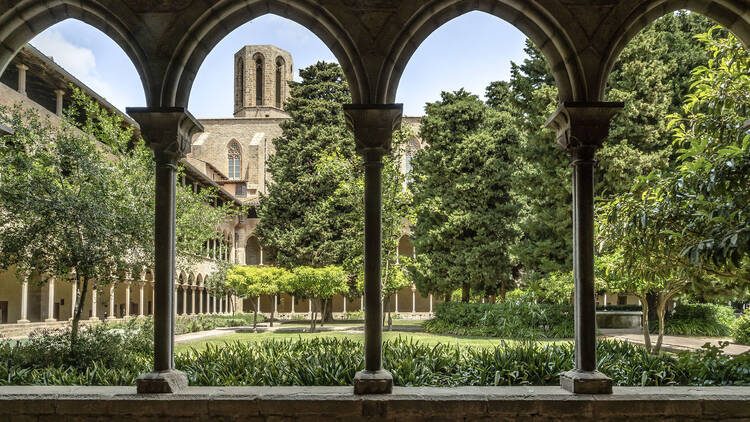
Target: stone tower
x: 261, y: 76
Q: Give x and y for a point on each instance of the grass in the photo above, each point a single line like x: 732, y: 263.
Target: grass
x: 424, y: 338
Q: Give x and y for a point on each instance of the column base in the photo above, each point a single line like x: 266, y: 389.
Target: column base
x: 373, y: 382
x: 94, y: 318
x: 160, y: 382
x: 23, y: 321
x: 50, y: 320
x: 583, y: 382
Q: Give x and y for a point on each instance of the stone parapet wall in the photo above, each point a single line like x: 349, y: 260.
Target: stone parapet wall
x: 280, y: 404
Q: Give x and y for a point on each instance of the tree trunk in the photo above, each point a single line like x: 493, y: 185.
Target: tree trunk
x: 447, y: 297
x: 646, y: 334
x: 492, y: 299
x: 328, y: 313
x: 652, y: 301
x: 323, y: 311
x: 313, y: 315
x: 503, y: 291
x: 273, y: 308
x: 465, y: 293
x: 386, y: 306
x: 75, y: 324
x: 660, y: 309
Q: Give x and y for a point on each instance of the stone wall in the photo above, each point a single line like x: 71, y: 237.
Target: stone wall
x: 281, y: 404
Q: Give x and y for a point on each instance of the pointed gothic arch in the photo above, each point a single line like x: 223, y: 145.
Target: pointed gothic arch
x: 234, y: 160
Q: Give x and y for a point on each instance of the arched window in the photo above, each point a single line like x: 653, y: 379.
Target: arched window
x: 234, y: 158
x: 258, y: 80
x: 279, y: 80
x: 240, y: 100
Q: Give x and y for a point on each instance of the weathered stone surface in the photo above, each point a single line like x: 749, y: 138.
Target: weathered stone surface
x: 581, y: 382
x: 171, y: 381
x: 282, y: 404
x: 369, y: 382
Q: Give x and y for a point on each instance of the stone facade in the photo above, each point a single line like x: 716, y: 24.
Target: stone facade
x: 261, y: 81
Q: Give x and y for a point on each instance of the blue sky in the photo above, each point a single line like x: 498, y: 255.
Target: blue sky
x: 470, y: 52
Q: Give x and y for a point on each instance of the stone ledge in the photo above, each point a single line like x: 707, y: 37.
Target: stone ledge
x: 405, y: 404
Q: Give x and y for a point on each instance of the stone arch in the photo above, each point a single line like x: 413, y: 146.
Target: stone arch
x: 731, y: 14
x: 234, y: 159
x: 552, y: 38
x: 259, y: 66
x: 191, y: 279
x: 226, y: 15
x: 28, y: 18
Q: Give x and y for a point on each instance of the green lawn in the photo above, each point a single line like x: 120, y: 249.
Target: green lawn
x: 420, y: 337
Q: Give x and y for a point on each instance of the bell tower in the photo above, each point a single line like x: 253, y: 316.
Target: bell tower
x: 261, y: 81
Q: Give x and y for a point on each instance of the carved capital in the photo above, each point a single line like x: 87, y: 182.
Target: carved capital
x: 166, y: 130
x: 373, y: 126
x: 582, y: 127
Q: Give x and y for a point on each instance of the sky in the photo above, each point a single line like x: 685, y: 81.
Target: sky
x: 470, y: 52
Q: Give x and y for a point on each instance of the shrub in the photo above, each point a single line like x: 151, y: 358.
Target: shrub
x: 629, y: 308
x: 333, y: 361
x: 511, y: 319
x: 700, y: 319
x: 742, y: 328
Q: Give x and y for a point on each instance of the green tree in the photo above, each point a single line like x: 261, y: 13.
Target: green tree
x: 318, y: 285
x: 251, y: 282
x: 465, y: 214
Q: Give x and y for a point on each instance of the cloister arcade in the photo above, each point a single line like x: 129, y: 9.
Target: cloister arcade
x: 373, y: 41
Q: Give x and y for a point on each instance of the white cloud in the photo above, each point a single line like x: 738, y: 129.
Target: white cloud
x: 81, y: 63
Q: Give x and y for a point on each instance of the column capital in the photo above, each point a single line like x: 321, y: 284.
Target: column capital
x: 22, y: 66
x: 166, y: 130
x: 373, y: 126
x: 582, y: 126
x: 59, y: 91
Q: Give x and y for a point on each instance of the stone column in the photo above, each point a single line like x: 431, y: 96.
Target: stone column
x: 184, y: 298
x: 168, y: 132
x: 24, y: 303
x: 293, y: 305
x: 192, y: 299
x: 59, y: 107
x: 413, y: 299
x: 241, y: 234
x: 396, y: 303
x: 94, y: 299
x: 73, y: 295
x: 22, y: 68
x: 373, y: 126
x: 275, y: 305
x: 260, y: 253
x: 200, y: 300
x: 140, y: 297
x: 344, y: 297
x: 214, y: 300
x: 127, y: 298
x: 226, y: 305
x: 430, y: 303
x: 111, y: 301
x: 51, y: 300
x: 581, y: 129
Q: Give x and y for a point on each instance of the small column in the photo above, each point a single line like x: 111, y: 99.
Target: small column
x: 127, y: 297
x: 22, y: 68
x: 275, y: 304
x: 168, y: 131
x: 605, y: 299
x: 200, y: 300
x: 258, y: 304
x: 260, y: 249
x: 111, y: 301
x: 430, y: 303
x: 581, y: 129
x: 309, y: 308
x: 373, y: 126
x: 362, y: 303
x: 293, y: 305
x: 184, y: 298
x: 59, y: 108
x: 192, y: 299
x: 344, y: 297
x: 214, y: 300
x: 73, y: 295
x: 94, y: 299
x: 24, y: 303
x: 226, y: 307
x: 141, y: 285
x: 396, y: 304
x: 51, y: 300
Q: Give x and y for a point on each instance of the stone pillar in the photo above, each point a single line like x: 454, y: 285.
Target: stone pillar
x: 581, y: 129
x: 59, y: 107
x: 94, y: 299
x: 226, y: 306
x: 605, y: 299
x: 176, y: 292
x: 73, y: 295
x: 396, y: 302
x: 200, y: 300
x: 344, y: 297
x: 260, y: 253
x: 184, y: 298
x: 214, y: 299
x: 275, y: 305
x: 168, y: 132
x: 258, y: 304
x: 430, y: 303
x: 140, y: 297
x: 241, y: 234
x: 24, y: 303
x: 51, y: 300
x: 111, y: 301
x: 373, y: 126
x: 22, y: 68
x: 413, y: 299
x: 293, y: 305
x: 362, y: 303
x: 192, y: 299
x: 127, y: 298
